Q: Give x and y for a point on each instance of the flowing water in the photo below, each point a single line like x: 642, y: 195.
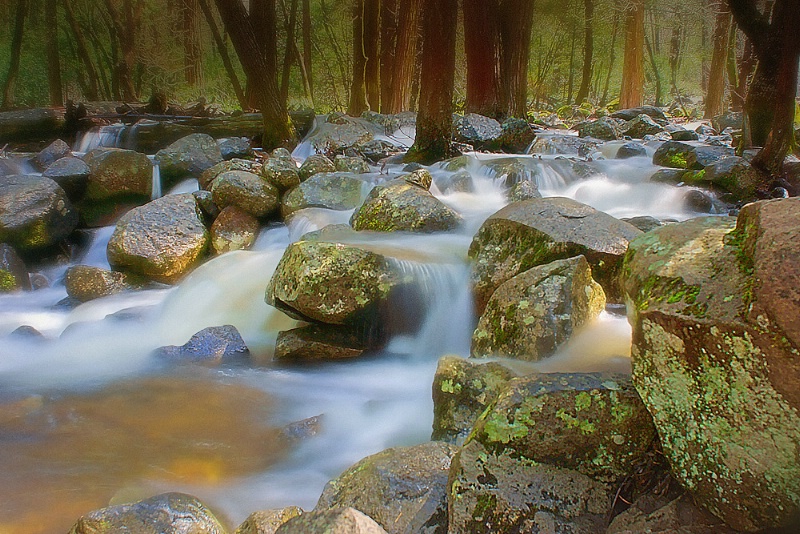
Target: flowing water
x: 88, y: 417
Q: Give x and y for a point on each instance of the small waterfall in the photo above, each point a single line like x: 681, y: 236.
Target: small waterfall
x: 104, y: 136
x: 156, y: 181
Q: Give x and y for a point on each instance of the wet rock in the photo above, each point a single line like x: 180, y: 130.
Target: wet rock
x: 680, y: 516
x: 212, y: 345
x: 333, y: 139
x: 13, y: 272
x: 645, y: 223
x: 698, y: 201
x: 72, y: 174
x: 208, y: 175
x: 455, y: 164
x: 389, y: 123
x: 419, y: 177
x: 315, y: 164
x: 604, y: 128
x: 715, y: 345
x: 682, y: 134
x: 235, y: 148
x: 564, y: 144
x: 303, y: 429
x: 642, y: 125
x: 403, y: 489
x: 508, y: 171
x: 351, y: 164
x: 481, y: 132
x: 731, y: 119
x: 320, y: 343
x: 282, y: 173
x: 529, y: 316
x: 331, y: 283
x: 458, y: 182
x: 535, y: 232
x: 84, y: 283
x: 689, y: 155
x: 378, y: 150
x: 524, y: 190
x: 54, y: 151
x: 168, y: 513
x: 233, y: 229
x: 516, y: 135
x: 335, y: 191
x: 162, y: 240
x: 631, y: 113
x: 188, y: 156
x: 30, y: 124
x: 246, y: 191
x: 205, y: 201
x: 400, y: 206
x: 35, y: 213
x: 267, y: 521
x: 631, y: 150
x: 117, y: 173
x: 705, y: 130
x: 668, y: 176
x: 335, y: 521
x: 734, y: 175
x: 462, y: 390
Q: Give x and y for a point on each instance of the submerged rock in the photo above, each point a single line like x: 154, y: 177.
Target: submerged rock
x: 84, y: 283
x: 215, y: 345
x: 267, y: 521
x: 564, y: 144
x: 335, y: 521
x: 403, y: 489
x: 458, y: 182
x: 524, y: 190
x: 188, y: 156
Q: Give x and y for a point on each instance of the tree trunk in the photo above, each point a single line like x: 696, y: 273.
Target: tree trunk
x: 53, y: 59
x: 223, y: 53
x: 715, y: 94
x: 516, y: 21
x: 588, y: 49
x: 193, y: 53
x: 612, y: 54
x: 307, y: 49
x: 388, y: 45
x: 632, y: 93
x: 435, y: 119
x: 482, y: 47
x: 656, y: 74
x: 16, y: 50
x: 289, y: 51
x: 261, y: 70
x: 372, y: 11
x: 358, y: 90
x: 405, y: 54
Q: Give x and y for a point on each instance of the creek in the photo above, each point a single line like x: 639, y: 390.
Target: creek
x: 88, y: 417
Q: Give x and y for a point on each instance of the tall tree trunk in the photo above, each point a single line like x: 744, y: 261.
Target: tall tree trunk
x: 746, y: 65
x: 388, y: 45
x: 358, y: 90
x: 289, y: 51
x: 612, y: 57
x: 405, y: 54
x: 223, y: 53
x: 588, y: 49
x: 16, y: 51
x: 307, y: 49
x: 632, y: 93
x: 261, y: 70
x: 372, y: 10
x: 656, y: 73
x: 715, y: 94
x: 516, y: 21
x: 435, y: 119
x: 82, y: 51
x: 193, y: 53
x: 482, y: 47
x: 674, y: 56
x: 53, y: 59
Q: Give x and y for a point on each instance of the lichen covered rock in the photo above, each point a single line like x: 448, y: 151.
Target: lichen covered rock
x: 335, y: 191
x: 689, y: 155
x: 117, y: 173
x: 315, y: 164
x: 334, y: 521
x: 246, y: 191
x: 643, y: 125
x: 281, y: 173
x: 233, y: 229
x: 85, y: 283
x: 208, y: 175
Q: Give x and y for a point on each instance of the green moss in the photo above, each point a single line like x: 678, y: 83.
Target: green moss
x: 8, y: 282
x: 484, y: 508
x: 449, y: 387
x: 677, y: 161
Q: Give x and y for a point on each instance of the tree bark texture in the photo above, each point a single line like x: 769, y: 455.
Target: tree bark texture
x: 16, y: 51
x: 307, y: 43
x: 388, y: 43
x: 358, y: 90
x: 516, y: 22
x: 632, y: 93
x: 372, y: 10
x: 193, y: 53
x: 405, y: 54
x: 715, y: 94
x: 289, y: 51
x: 482, y: 47
x: 588, y: 51
x: 126, y: 19
x: 82, y: 51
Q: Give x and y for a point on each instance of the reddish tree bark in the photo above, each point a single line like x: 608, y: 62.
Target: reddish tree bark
x: 388, y: 45
x: 632, y: 93
x: 405, y: 54
x: 193, y: 53
x: 482, y: 47
x: 516, y: 22
x: 358, y: 90
x: 372, y: 10
x: 53, y: 59
x: 715, y: 94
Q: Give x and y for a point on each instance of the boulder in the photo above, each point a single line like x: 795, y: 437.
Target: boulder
x: 419, y: 177
x: 246, y: 191
x: 235, y: 148
x: 516, y: 135
x: 481, y: 132
x: 315, y: 164
x: 631, y: 150
x: 335, y: 191
x: 643, y: 125
x: 524, y: 190
x: 54, y: 151
x: 731, y: 119
x: 281, y: 173
x: 631, y: 113
x: 733, y: 175
x: 208, y: 175
x: 188, y: 156
x: 462, y: 390
x: 168, y: 513
x: 401, y: 206
x: 335, y: 521
x: 564, y: 144
x: 71, y: 174
x: 13, y: 272
x: 604, y: 128
x: 668, y: 176
x: 682, y: 134
x: 457, y: 182
x: 529, y: 316
x: 233, y: 229
x: 205, y: 201
x: 508, y: 171
x: 689, y: 155
x: 679, y: 516
x: 352, y: 164
x: 645, y: 223
x: 715, y: 357
x: 162, y: 240
x: 320, y: 343
x: 30, y: 124
x: 698, y: 201
x: 534, y: 232
x: 403, y: 489
x: 84, y: 283
x: 117, y: 173
x: 267, y: 521
x: 333, y: 138
x: 35, y: 213
x: 212, y: 345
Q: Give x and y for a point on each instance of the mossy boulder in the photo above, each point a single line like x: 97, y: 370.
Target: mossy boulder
x: 735, y: 176
x: 35, y: 213
x: 335, y: 191
x: 162, y: 240
x: 246, y: 191
x: 534, y: 232
x: 188, y: 156
x: 516, y: 135
x: 281, y: 173
x: 531, y: 315
x: 403, y: 489
x: 84, y: 282
x: 13, y: 272
x: 353, y: 164
x: 402, y: 206
x: 168, y: 513
x: 117, y: 173
x: 334, y: 521
x: 233, y: 229
x: 267, y: 521
x: 319, y: 342
x: 315, y: 164
x: 462, y: 390
x: 689, y: 155
x: 207, y: 176
x: 333, y: 139
x: 715, y: 352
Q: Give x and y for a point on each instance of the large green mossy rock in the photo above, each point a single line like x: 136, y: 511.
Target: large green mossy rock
x: 117, y: 173
x: 538, y: 231
x: 403, y: 489
x: 531, y: 315
x: 689, y: 155
x: 330, y: 190
x: 162, y: 240
x: 405, y: 207
x: 168, y: 513
x: 715, y: 357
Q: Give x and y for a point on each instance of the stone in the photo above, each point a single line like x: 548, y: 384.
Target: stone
x: 247, y: 192
x: 84, y: 283
x: 168, y: 513
x: 205, y: 202
x: 419, y: 177
x: 351, y: 164
x: 516, y: 135
x: 335, y: 521
x: 631, y: 150
x: 462, y: 390
x: 682, y: 134
x: 207, y: 176
x: 118, y: 173
x: 53, y: 152
x: 13, y: 272
x: 403, y: 489
x: 282, y: 173
x: 71, y: 174
x: 267, y: 521
x: 457, y: 182
x: 564, y: 144
x: 233, y: 229
x: 714, y: 357
x: 534, y: 232
x: 529, y: 316
x: 642, y: 125
x: 733, y: 175
x: 35, y: 213
x: 332, y: 139
x: 523, y: 190
x: 645, y: 223
x: 679, y: 516
x: 235, y: 148
x: 315, y: 164
x: 508, y: 171
x: 604, y: 128
x: 213, y: 345
x: 188, y: 156
x: 631, y: 113
x: 698, y: 201
x: 400, y: 206
x: 668, y: 176
x: 162, y: 240
x: 335, y: 191
x: 481, y: 132
x: 320, y: 343
x: 689, y: 155
x: 731, y: 119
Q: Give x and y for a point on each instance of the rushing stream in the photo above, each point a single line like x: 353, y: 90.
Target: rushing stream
x: 88, y: 417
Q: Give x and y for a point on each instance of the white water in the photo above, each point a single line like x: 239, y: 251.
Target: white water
x: 366, y: 405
